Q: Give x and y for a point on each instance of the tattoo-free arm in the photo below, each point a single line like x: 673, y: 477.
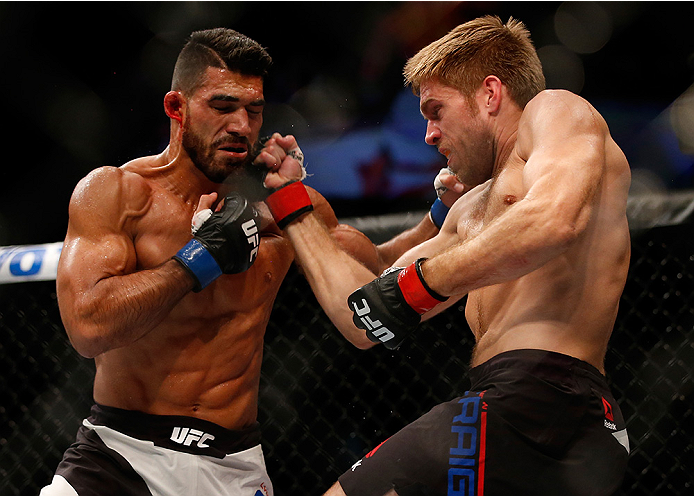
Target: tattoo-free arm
x: 335, y: 268
x: 563, y: 140
x: 105, y: 302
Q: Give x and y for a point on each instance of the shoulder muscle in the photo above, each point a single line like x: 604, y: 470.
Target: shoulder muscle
x: 558, y: 119
x: 107, y: 197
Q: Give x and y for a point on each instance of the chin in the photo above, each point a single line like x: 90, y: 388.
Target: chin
x: 220, y: 173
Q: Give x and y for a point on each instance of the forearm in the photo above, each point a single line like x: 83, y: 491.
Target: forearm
x: 119, y: 310
x: 332, y: 274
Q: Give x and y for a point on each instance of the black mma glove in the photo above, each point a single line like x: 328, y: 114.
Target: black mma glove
x: 226, y: 243
x: 253, y: 177
x: 289, y: 201
x: 391, y: 306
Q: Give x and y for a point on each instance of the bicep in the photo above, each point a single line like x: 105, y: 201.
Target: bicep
x: 90, y: 257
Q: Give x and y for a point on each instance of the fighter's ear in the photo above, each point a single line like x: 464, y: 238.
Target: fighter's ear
x: 492, y: 88
x: 174, y: 101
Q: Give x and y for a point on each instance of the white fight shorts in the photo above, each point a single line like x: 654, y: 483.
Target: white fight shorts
x: 120, y: 452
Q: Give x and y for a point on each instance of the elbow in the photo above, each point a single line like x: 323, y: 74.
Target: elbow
x: 564, y: 231
x: 85, y: 341
x: 565, y: 234
x: 86, y: 336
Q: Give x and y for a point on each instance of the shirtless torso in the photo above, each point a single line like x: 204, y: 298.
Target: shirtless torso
x: 540, y: 246
x: 203, y: 358
x: 568, y: 303
x: 178, y: 352
x: 541, y: 249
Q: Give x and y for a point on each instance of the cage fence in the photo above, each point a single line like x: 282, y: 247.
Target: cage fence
x: 324, y: 404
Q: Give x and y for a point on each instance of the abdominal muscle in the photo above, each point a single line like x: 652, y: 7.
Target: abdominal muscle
x: 203, y: 371
x: 549, y: 309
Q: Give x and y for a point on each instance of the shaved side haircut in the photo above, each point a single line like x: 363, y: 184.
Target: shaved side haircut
x: 222, y: 48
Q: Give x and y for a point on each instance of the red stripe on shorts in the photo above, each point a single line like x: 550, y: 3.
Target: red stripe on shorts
x: 483, y: 454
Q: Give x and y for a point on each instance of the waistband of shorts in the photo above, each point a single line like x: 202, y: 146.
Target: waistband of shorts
x: 179, y: 433
x: 541, y: 363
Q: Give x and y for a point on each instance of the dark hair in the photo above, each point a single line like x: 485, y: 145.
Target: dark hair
x: 219, y: 47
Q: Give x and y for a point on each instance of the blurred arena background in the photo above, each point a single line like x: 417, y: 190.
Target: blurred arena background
x: 83, y: 85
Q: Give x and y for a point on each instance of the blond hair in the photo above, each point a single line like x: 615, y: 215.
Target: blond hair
x: 477, y: 49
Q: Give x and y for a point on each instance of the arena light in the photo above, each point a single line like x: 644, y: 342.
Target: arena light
x: 682, y: 120
x: 583, y: 27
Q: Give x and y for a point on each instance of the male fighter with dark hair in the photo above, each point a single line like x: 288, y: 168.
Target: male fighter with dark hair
x: 539, y: 244
x: 174, y: 317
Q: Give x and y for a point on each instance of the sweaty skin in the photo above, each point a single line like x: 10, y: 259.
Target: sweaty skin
x: 202, y: 358
x: 540, y: 244
x: 160, y: 348
x: 542, y: 248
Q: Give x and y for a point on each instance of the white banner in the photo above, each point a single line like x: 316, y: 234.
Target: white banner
x: 29, y: 262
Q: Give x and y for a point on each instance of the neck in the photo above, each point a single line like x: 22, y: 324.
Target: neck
x: 181, y: 175
x: 506, y: 133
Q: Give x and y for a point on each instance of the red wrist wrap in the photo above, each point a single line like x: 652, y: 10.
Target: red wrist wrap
x: 288, y: 203
x: 415, y: 290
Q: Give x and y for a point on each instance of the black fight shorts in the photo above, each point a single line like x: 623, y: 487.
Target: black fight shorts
x: 534, y: 423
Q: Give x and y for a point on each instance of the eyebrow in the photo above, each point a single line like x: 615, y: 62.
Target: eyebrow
x: 233, y: 99
x: 425, y: 105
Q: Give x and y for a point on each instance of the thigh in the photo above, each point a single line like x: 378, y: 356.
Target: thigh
x: 436, y: 454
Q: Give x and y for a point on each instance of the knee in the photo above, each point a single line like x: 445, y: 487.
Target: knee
x: 336, y: 490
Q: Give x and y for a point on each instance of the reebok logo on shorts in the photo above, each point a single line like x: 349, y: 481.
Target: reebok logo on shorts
x: 262, y: 491
x: 608, y: 410
x: 186, y: 437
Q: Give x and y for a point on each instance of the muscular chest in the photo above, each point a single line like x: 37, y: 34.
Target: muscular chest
x: 165, y: 228
x: 491, y: 200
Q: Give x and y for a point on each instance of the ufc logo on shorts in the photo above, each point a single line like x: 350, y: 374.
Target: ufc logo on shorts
x: 186, y: 437
x: 250, y: 229
x: 375, y: 327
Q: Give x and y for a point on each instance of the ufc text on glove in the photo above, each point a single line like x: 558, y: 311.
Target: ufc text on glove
x: 227, y: 242
x: 391, y: 306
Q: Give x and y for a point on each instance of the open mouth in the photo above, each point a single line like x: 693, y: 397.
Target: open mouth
x: 234, y: 149
x: 446, y: 153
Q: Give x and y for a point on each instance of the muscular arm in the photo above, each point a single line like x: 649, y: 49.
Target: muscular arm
x: 105, y: 302
x: 393, y: 249
x: 332, y: 273
x: 563, y: 141
x: 337, y: 259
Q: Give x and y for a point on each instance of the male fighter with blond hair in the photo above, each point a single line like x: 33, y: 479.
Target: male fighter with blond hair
x: 539, y: 244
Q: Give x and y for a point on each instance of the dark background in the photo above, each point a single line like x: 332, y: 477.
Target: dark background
x: 82, y: 86
x: 82, y: 83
